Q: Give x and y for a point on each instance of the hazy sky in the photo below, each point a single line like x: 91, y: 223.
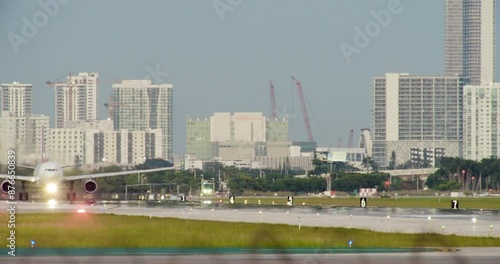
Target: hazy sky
x: 222, y: 61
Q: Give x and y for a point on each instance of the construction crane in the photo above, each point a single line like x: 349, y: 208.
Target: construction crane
x: 273, y: 100
x: 351, y: 135
x: 110, y: 105
x: 304, y: 110
x: 69, y: 94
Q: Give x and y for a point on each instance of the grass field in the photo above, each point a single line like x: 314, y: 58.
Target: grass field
x: 402, y: 202
x: 73, y: 230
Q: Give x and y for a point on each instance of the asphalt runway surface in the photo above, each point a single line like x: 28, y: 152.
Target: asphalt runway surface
x: 466, y: 255
x: 463, y: 223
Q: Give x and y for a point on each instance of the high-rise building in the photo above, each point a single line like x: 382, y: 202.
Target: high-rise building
x: 198, y: 137
x: 140, y: 105
x: 481, y: 121
x: 76, y: 98
x: 416, y: 114
x: 16, y: 98
x: 84, y: 145
x: 470, y: 40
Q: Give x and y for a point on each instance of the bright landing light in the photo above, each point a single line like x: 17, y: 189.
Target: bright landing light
x: 51, y: 188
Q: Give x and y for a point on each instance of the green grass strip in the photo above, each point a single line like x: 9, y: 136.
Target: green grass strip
x: 73, y: 230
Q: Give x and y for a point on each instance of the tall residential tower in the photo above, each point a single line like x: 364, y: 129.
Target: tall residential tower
x: 76, y: 99
x: 470, y: 40
x: 16, y: 98
x: 140, y: 105
x: 417, y: 117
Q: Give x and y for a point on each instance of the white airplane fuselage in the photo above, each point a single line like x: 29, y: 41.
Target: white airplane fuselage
x: 49, y: 176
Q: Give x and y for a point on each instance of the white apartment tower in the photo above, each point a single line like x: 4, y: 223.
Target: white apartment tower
x: 140, y: 105
x: 16, y: 98
x: 481, y: 121
x: 470, y: 40
x: 416, y: 116
x: 76, y: 98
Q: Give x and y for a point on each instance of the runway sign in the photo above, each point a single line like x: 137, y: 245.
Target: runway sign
x: 183, y: 198
x: 231, y: 199
x: 363, y: 202
x: 289, y: 200
x: 454, y: 204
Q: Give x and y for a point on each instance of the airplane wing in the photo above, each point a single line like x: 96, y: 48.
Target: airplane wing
x: 72, y: 165
x: 21, y: 166
x: 21, y: 178
x: 112, y: 174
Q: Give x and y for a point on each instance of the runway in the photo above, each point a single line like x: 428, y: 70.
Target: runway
x: 466, y: 255
x: 461, y: 223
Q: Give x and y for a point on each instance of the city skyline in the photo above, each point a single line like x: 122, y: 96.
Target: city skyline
x: 205, y: 57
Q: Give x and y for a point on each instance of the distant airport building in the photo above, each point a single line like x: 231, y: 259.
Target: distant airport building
x: 417, y: 117
x: 237, y: 136
x: 16, y: 98
x: 243, y: 139
x: 481, y: 121
x: 469, y: 41
x: 24, y: 135
x: 352, y: 156
x: 76, y: 98
x: 140, y: 105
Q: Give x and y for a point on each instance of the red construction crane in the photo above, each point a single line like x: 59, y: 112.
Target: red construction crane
x: 351, y: 135
x: 273, y: 100
x: 304, y: 110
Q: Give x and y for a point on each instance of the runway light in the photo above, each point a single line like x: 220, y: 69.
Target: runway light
x: 491, y: 226
x: 350, y: 243
x: 428, y: 218
x: 287, y: 212
x: 317, y: 214
x: 52, y: 203
x: 388, y: 217
x: 443, y: 227
x: 81, y: 211
x: 260, y: 212
x: 33, y: 243
x: 474, y: 220
x: 51, y: 188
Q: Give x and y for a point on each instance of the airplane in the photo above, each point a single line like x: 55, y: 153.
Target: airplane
x: 50, y: 176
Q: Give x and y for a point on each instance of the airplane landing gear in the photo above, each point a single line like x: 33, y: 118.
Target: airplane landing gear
x: 71, y: 196
x: 24, y: 194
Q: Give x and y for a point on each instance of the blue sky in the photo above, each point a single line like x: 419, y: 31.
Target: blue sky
x: 223, y: 61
